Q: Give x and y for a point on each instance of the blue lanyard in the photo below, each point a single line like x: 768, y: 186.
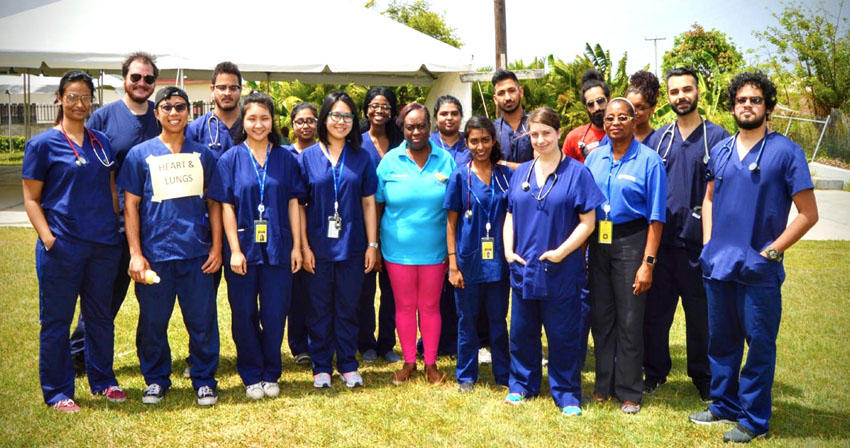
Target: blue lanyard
x: 607, y: 207
x: 489, y: 209
x: 337, y: 175
x: 260, y: 181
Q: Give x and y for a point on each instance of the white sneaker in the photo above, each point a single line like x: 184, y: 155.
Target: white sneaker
x: 352, y: 379
x: 187, y: 372
x: 321, y: 380
x: 271, y: 389
x: 207, y: 396
x: 255, y: 391
x: 484, y: 356
x: 153, y: 394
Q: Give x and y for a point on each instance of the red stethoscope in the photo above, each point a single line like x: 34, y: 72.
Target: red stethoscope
x: 80, y: 160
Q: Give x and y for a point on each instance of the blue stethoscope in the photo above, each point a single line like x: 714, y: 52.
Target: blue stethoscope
x: 493, y: 180
x: 214, y: 142
x: 526, y: 185
x: 671, y: 131
x: 729, y: 148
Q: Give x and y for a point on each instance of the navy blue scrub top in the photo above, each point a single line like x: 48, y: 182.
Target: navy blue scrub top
x: 636, y: 185
x: 459, y: 151
x: 203, y: 131
x: 173, y: 229
x: 235, y: 182
x: 649, y: 136
x: 750, y: 210
x: 358, y: 180
x: 516, y: 146
x: 77, y: 200
x: 685, y: 180
x: 493, y: 200
x: 544, y: 225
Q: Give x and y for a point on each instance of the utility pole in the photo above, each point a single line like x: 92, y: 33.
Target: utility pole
x: 655, y: 44
x: 501, y: 35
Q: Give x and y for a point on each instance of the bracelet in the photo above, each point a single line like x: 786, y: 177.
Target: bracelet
x: 451, y: 253
x: 375, y: 245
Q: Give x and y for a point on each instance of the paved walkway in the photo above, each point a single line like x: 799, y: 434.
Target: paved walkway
x: 833, y: 207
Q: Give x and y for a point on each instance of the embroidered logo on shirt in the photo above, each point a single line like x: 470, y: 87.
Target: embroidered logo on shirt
x: 441, y: 177
x: 627, y: 177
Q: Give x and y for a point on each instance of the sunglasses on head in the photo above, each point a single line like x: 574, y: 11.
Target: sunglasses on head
x: 149, y: 79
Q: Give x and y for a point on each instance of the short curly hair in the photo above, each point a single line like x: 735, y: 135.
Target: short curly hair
x: 646, y: 84
x: 756, y: 79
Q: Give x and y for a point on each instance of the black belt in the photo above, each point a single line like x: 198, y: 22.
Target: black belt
x: 623, y: 229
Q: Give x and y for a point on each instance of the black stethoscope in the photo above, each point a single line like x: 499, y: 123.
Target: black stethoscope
x: 80, y: 160
x: 526, y: 185
x: 520, y: 133
x: 493, y: 180
x: 214, y: 142
x: 729, y: 148
x: 672, y: 133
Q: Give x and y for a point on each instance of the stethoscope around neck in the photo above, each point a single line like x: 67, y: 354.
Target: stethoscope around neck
x: 671, y: 131
x: 729, y: 148
x: 80, y: 160
x: 214, y: 142
x: 503, y: 185
x: 541, y: 195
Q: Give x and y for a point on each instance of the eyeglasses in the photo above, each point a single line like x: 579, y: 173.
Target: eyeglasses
x: 149, y: 79
x: 601, y: 101
x: 179, y: 108
x: 620, y: 118
x: 337, y: 117
x: 754, y: 100
x: 377, y: 107
x: 305, y: 122
x: 72, y: 98
x: 224, y: 88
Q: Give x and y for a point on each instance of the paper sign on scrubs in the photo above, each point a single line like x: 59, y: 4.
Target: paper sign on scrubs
x: 606, y: 232
x: 176, y: 176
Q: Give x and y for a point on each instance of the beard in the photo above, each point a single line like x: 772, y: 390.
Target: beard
x: 691, y: 107
x: 752, y: 123
x: 228, y: 108
x: 597, y: 118
x: 508, y: 111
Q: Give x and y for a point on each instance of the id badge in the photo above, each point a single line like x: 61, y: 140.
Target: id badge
x: 606, y: 232
x: 333, y: 227
x: 487, y: 248
x: 261, y: 231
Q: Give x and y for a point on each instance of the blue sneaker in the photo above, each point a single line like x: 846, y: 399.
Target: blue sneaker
x: 571, y: 411
x: 515, y: 399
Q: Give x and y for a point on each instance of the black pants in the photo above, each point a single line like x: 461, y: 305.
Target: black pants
x: 366, y: 315
x: 677, y: 274
x: 616, y: 315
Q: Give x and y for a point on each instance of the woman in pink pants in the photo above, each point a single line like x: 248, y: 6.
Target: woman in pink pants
x: 412, y: 182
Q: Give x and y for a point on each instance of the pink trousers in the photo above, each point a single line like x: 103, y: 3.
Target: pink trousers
x: 417, y: 288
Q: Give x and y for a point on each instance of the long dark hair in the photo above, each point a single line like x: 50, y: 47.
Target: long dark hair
x: 353, y: 138
x: 394, y: 133
x: 479, y: 122
x: 267, y: 102
x: 67, y: 78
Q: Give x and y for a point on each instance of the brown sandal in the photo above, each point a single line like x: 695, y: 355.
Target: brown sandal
x: 433, y: 374
x: 403, y: 375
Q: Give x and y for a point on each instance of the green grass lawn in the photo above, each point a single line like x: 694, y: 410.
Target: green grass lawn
x: 811, y: 393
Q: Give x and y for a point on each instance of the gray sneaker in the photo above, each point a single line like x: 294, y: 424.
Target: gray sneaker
x: 706, y: 417
x: 321, y: 380
x: 255, y: 391
x: 740, y: 434
x: 207, y: 396
x: 466, y: 387
x: 370, y: 355
x: 352, y: 379
x: 391, y: 356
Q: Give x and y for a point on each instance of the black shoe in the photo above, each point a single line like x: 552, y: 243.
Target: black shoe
x: 650, y: 384
x: 704, y: 393
x: 207, y: 396
x: 740, y: 434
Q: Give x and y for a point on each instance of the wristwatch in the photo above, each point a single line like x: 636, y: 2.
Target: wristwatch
x: 650, y: 260
x: 375, y: 245
x: 773, y: 254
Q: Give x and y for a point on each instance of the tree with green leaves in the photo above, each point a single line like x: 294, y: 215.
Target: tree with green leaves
x: 817, y: 43
x: 711, y: 53
x: 418, y: 15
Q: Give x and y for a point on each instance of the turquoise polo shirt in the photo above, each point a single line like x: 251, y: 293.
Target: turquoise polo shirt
x: 413, y: 226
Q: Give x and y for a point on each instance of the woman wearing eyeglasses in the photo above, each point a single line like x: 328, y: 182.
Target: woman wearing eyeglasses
x: 412, y: 182
x: 69, y: 197
x: 622, y: 254
x: 341, y: 237
x: 551, y: 212
x: 258, y: 182
x: 381, y: 133
x: 304, y: 119
x: 643, y: 94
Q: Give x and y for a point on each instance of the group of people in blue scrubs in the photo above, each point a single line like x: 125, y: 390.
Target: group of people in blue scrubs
x: 495, y: 215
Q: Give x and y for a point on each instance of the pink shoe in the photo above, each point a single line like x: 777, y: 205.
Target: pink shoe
x: 67, y: 406
x: 114, y: 394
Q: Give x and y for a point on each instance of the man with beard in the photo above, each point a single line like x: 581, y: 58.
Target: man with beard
x: 218, y: 128
x: 512, y: 126
x: 127, y: 122
x: 753, y: 178
x: 683, y: 146
x: 583, y: 139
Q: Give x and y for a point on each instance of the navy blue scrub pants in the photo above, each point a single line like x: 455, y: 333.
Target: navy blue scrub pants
x: 184, y: 280
x: 366, y: 315
x: 475, y: 299
x: 558, y: 317
x: 257, y: 326
x: 69, y: 269
x: 297, y: 315
x: 738, y: 313
x: 332, y: 322
x: 616, y: 315
x: 677, y: 273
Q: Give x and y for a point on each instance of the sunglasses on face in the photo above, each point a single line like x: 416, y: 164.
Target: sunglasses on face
x: 149, y: 79
x: 179, y: 107
x: 601, y: 101
x: 620, y: 118
x: 754, y: 100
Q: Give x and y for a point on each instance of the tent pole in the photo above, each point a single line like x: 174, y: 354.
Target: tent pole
x: 9, y: 117
x: 100, y: 89
x: 27, y: 131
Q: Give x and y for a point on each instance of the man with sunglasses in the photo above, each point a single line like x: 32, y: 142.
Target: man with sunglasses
x: 127, y: 122
x: 683, y: 146
x: 218, y: 128
x: 583, y: 139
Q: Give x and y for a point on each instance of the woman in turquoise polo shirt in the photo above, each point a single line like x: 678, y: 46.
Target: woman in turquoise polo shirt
x: 412, y: 181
